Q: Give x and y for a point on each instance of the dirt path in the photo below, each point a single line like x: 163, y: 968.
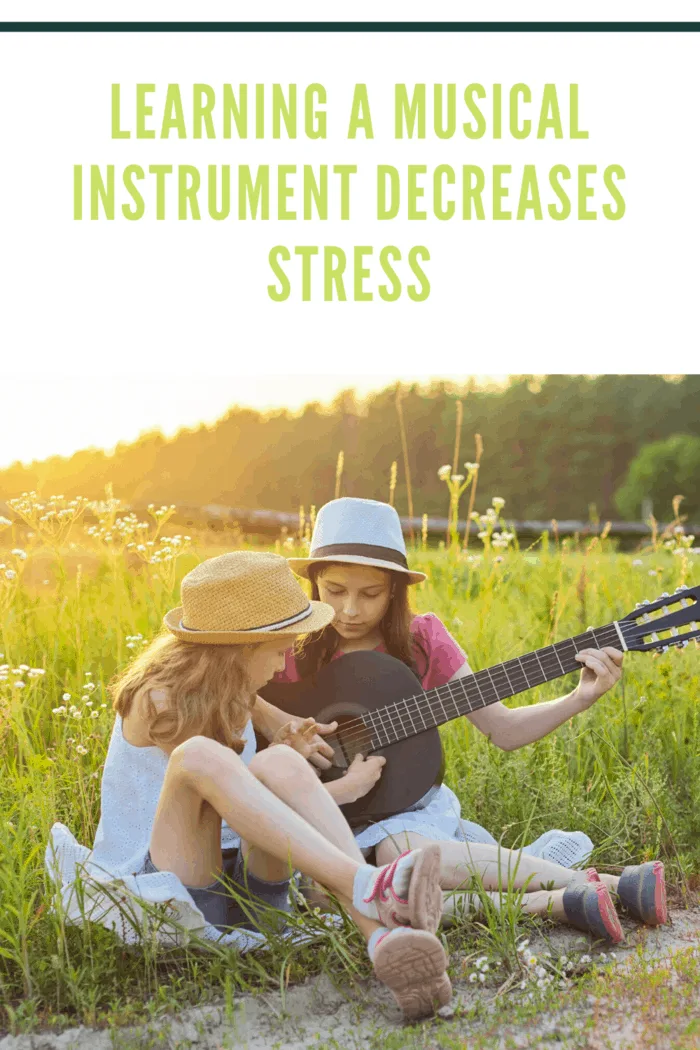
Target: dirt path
x: 318, y: 1015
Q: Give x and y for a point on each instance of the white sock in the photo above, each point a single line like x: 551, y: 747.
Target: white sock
x: 366, y: 880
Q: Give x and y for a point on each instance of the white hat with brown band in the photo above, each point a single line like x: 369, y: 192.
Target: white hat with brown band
x: 244, y: 597
x: 358, y: 532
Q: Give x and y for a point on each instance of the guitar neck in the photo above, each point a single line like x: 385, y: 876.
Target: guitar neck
x: 426, y: 710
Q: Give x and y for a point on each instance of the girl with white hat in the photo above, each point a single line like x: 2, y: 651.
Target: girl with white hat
x: 185, y: 797
x: 357, y: 564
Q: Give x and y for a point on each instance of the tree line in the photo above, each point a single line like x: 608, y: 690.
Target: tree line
x: 554, y: 446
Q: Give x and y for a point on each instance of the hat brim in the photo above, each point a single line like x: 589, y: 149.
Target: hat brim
x: 320, y: 616
x: 301, y: 565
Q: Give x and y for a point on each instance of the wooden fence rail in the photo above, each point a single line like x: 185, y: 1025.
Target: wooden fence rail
x: 265, y: 521
x: 216, y: 516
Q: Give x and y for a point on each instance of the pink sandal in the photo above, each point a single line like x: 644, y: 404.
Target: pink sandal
x: 421, y: 908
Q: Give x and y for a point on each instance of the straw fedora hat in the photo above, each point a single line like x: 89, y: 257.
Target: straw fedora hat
x: 357, y: 532
x: 244, y: 597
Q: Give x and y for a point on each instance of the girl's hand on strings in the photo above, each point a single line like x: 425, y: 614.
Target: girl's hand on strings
x: 305, y: 735
x: 601, y: 670
x: 361, y: 777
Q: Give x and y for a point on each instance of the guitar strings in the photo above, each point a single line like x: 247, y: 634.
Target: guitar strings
x: 359, y: 728
x: 444, y: 692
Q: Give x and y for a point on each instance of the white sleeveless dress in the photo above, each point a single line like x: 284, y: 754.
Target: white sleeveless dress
x: 110, y: 885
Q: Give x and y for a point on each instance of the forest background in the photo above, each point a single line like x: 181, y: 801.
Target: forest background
x: 563, y: 446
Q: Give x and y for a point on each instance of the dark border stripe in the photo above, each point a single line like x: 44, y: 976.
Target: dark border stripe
x: 308, y: 609
x: 362, y: 550
x: 349, y: 27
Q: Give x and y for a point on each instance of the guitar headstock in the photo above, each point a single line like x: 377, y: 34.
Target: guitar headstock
x: 671, y: 620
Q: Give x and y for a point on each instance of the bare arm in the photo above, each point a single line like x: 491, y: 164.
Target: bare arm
x: 280, y: 727
x: 512, y: 727
x: 267, y: 718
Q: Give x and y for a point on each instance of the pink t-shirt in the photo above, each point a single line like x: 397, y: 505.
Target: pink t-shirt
x: 445, y: 657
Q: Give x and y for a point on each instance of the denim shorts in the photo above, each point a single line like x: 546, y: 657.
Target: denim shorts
x: 223, y: 910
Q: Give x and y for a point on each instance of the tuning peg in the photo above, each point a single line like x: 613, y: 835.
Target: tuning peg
x: 645, y: 601
x: 663, y: 649
x: 665, y: 594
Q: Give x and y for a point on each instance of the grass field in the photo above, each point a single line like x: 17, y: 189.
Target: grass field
x: 77, y: 601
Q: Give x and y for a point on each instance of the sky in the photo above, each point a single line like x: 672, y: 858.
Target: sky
x: 57, y: 415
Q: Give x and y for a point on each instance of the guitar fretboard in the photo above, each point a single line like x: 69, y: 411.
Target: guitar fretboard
x: 432, y: 708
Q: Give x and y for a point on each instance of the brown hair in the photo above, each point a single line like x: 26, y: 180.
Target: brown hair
x: 209, y: 693
x: 314, y: 651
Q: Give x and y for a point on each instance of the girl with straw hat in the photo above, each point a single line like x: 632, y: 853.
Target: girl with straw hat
x: 185, y: 797
x: 357, y: 564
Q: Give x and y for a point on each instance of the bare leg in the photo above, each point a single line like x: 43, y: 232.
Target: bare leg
x: 204, y: 782
x: 496, y: 866
x: 302, y: 791
x: 541, y: 902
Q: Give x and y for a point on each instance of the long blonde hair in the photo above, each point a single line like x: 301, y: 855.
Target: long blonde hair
x: 209, y: 692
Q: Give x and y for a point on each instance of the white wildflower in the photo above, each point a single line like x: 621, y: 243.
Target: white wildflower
x: 81, y: 750
x: 445, y: 472
x: 58, y: 710
x: 18, y: 684
x: 637, y: 561
x: 66, y: 696
x: 18, y: 553
x: 10, y: 574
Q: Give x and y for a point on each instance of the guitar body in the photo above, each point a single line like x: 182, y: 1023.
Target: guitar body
x: 344, y: 689
x: 398, y: 713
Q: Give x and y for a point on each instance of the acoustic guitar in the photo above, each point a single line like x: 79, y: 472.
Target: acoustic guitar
x: 381, y: 708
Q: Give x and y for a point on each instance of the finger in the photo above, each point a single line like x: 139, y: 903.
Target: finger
x: 600, y: 670
x: 319, y: 761
x: 323, y: 748
x: 615, y: 655
x: 329, y: 727
x: 602, y: 656
x: 613, y: 668
x: 357, y: 760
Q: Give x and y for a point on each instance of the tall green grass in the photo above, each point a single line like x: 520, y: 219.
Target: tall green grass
x: 627, y: 772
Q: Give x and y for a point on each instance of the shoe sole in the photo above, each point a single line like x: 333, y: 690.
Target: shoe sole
x: 589, y: 907
x: 412, y: 965
x: 647, y: 901
x: 425, y: 901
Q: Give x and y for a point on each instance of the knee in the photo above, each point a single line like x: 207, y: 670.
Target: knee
x: 198, y: 758
x: 280, y: 764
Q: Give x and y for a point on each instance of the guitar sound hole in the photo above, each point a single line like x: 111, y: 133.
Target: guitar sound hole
x: 354, y: 739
